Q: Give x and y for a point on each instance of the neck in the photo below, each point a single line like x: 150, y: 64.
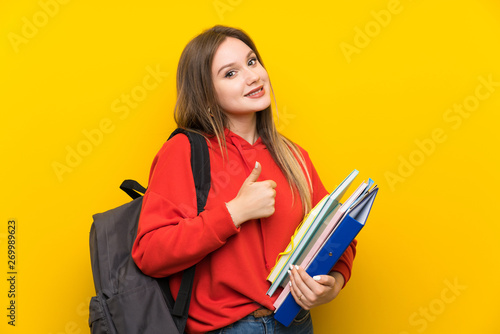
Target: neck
x: 245, y: 127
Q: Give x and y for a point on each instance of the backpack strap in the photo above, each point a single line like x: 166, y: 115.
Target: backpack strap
x: 200, y: 165
x: 132, y: 188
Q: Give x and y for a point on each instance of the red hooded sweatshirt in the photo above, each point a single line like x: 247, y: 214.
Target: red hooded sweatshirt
x: 232, y: 264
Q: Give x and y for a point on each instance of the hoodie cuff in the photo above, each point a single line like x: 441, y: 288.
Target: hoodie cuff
x: 344, y: 269
x: 220, y: 221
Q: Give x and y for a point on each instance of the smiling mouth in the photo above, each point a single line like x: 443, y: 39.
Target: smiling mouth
x: 255, y: 92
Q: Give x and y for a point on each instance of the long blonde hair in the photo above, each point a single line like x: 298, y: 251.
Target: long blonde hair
x: 197, y: 108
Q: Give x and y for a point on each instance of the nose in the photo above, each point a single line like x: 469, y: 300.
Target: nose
x: 252, y: 76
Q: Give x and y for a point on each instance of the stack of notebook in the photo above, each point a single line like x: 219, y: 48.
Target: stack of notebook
x: 320, y: 240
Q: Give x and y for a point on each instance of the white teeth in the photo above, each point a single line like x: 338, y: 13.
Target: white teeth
x: 254, y: 92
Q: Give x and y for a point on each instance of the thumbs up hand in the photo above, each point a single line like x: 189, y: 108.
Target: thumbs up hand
x: 254, y: 200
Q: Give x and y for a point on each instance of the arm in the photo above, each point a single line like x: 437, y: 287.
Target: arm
x: 171, y: 236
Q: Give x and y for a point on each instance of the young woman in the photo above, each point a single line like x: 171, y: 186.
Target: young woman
x: 262, y: 186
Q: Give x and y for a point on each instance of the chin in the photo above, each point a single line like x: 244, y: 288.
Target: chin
x: 264, y: 104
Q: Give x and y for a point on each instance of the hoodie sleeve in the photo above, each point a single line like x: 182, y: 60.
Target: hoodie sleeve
x: 171, y: 236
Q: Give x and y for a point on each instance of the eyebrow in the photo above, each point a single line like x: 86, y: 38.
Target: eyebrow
x: 232, y: 64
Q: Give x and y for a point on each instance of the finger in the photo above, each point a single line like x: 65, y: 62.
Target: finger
x: 254, y: 175
x: 268, y: 187
x: 301, y: 280
x: 326, y: 280
x: 314, y: 289
x: 317, y: 284
x: 304, y: 293
x: 295, y: 291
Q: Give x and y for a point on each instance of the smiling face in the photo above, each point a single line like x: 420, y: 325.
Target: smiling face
x: 241, y: 83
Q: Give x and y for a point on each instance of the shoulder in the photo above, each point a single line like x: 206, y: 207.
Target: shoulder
x: 173, y: 158
x: 305, y: 156
x: 303, y: 151
x: 300, y: 149
x: 177, y: 144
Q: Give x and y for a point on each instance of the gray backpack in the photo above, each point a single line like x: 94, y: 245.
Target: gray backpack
x: 127, y: 301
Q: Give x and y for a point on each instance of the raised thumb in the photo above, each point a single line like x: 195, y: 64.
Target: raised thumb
x: 254, y: 175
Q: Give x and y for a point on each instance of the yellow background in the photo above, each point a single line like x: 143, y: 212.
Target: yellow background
x: 432, y: 226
